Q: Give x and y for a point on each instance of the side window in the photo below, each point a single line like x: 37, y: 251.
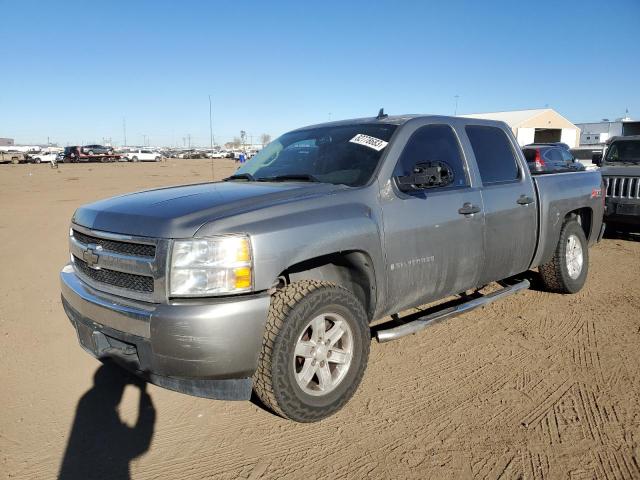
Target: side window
x: 554, y: 155
x: 434, y: 143
x: 567, y: 156
x: 494, y: 155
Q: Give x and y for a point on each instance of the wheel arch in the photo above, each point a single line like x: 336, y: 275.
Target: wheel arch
x: 353, y: 270
x: 584, y: 216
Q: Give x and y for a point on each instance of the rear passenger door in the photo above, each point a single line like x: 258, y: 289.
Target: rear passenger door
x: 433, y: 237
x: 509, y: 199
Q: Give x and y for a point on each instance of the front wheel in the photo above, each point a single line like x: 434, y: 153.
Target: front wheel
x: 314, y: 352
x: 157, y: 159
x: 134, y: 159
x: 567, y: 270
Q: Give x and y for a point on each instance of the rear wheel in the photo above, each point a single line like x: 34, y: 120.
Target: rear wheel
x: 157, y: 159
x: 15, y: 160
x: 314, y: 352
x: 134, y: 159
x: 37, y: 160
x: 567, y: 271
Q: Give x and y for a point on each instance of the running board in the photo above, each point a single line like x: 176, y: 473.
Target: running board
x: 421, y: 323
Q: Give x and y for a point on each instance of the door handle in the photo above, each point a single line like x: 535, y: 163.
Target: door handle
x: 468, y: 209
x: 524, y: 200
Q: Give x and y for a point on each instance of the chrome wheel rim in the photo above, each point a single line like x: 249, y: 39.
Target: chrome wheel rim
x: 574, y: 256
x: 323, y: 354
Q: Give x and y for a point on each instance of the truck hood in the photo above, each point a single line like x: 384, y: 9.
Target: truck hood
x: 178, y: 212
x: 620, y: 170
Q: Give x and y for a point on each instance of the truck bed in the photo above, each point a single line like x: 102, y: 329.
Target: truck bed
x: 558, y: 193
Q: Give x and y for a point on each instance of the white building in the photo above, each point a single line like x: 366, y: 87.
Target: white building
x: 597, y: 133
x: 538, y: 125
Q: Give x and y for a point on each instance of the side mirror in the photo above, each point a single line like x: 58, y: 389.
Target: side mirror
x: 596, y: 158
x: 426, y: 175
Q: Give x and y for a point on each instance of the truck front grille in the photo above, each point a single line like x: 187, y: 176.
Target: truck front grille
x: 126, y: 248
x: 138, y: 283
x: 622, y: 187
x: 125, y: 265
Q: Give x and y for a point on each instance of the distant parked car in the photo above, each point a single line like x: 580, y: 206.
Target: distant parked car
x: 550, y: 157
x: 216, y: 154
x: 143, y: 156
x: 97, y: 150
x: 43, y: 157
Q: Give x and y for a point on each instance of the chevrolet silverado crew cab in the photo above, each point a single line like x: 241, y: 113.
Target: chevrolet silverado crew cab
x: 620, y: 168
x: 269, y: 280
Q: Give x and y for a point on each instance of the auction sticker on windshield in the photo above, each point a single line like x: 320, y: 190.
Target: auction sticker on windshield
x: 367, y: 141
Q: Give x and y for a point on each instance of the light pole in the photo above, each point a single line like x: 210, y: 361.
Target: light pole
x: 213, y: 175
x: 210, y: 124
x: 455, y: 111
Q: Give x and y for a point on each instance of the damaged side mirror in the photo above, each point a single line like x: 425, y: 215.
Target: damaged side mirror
x: 426, y: 175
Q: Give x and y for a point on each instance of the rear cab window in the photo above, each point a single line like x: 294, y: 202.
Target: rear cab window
x: 494, y: 154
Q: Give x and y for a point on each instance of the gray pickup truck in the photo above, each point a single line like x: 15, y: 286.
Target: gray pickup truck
x: 620, y: 167
x: 270, y: 280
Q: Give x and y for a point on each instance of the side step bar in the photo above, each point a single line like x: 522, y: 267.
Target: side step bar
x: 421, y: 323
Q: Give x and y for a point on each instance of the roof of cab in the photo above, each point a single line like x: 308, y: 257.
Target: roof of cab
x: 399, y: 120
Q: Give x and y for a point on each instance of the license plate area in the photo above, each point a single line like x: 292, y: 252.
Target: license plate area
x: 87, y: 338
x: 628, y: 209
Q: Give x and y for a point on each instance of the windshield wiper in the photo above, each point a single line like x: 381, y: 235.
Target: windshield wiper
x: 240, y: 176
x: 303, y: 177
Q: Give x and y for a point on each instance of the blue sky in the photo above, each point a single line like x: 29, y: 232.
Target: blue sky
x: 73, y: 70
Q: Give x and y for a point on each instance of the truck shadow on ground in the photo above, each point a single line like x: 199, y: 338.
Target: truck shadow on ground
x: 100, y: 444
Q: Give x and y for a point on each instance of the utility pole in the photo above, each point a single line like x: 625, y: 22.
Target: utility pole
x: 455, y: 112
x: 124, y: 130
x: 189, y: 138
x: 210, y: 124
x: 213, y: 174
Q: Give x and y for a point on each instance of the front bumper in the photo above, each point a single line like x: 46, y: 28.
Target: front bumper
x: 622, y: 211
x: 203, y: 347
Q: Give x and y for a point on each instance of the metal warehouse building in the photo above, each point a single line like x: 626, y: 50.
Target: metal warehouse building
x: 538, y: 125
x: 597, y: 133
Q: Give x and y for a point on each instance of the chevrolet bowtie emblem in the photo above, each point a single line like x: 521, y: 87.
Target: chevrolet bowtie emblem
x: 90, y: 256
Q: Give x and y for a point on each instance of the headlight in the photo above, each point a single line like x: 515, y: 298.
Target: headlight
x: 211, y: 266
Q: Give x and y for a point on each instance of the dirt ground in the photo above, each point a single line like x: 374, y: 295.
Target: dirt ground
x: 536, y: 386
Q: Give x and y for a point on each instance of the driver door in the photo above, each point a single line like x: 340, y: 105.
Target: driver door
x: 433, y: 237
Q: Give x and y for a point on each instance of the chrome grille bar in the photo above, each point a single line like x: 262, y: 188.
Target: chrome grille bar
x: 622, y: 187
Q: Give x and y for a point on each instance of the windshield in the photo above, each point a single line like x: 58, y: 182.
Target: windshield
x: 346, y: 154
x: 624, y: 151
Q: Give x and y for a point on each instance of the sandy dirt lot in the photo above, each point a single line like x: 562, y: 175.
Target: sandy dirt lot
x: 537, y: 386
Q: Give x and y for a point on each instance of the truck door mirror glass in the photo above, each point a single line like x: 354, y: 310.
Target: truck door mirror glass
x: 426, y: 175
x: 596, y: 159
